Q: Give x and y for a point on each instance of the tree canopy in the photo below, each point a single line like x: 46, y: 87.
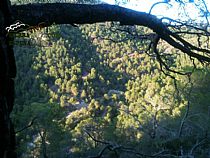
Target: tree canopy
x: 114, y: 83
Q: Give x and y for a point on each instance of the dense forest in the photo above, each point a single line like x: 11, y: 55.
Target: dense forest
x: 97, y: 91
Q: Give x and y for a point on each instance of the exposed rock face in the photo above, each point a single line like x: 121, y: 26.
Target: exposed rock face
x: 118, y: 93
x: 7, y: 75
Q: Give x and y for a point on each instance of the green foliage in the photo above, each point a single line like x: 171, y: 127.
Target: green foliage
x: 113, y: 90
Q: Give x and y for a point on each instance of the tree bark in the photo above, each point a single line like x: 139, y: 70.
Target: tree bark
x: 7, y: 73
x: 66, y: 13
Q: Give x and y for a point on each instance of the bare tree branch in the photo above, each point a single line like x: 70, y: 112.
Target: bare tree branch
x: 29, y: 125
x: 157, y: 3
x: 34, y: 14
x: 198, y: 143
x: 114, y: 147
x: 187, y: 109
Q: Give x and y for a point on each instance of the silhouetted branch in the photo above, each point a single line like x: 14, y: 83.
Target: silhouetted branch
x: 198, y: 143
x: 34, y: 14
x: 114, y: 147
x: 100, y: 154
x: 29, y: 125
x: 187, y: 109
x: 157, y: 3
x: 43, y: 139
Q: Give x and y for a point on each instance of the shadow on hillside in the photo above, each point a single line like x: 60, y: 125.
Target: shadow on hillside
x: 31, y: 101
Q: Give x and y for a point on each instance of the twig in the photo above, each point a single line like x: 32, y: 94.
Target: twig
x: 187, y: 110
x: 114, y: 147
x: 29, y: 125
x: 197, y: 145
x: 155, y: 4
x: 101, y: 152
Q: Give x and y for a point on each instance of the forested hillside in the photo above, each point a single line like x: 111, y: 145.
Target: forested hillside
x: 94, y: 90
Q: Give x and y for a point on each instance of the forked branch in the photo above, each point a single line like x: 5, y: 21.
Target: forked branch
x: 33, y: 14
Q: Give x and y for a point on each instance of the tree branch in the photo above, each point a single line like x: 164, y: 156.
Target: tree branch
x: 157, y: 3
x: 33, y: 14
x: 114, y: 147
x: 29, y: 125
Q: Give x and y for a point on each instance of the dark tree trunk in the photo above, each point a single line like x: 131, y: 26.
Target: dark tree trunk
x: 7, y: 75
